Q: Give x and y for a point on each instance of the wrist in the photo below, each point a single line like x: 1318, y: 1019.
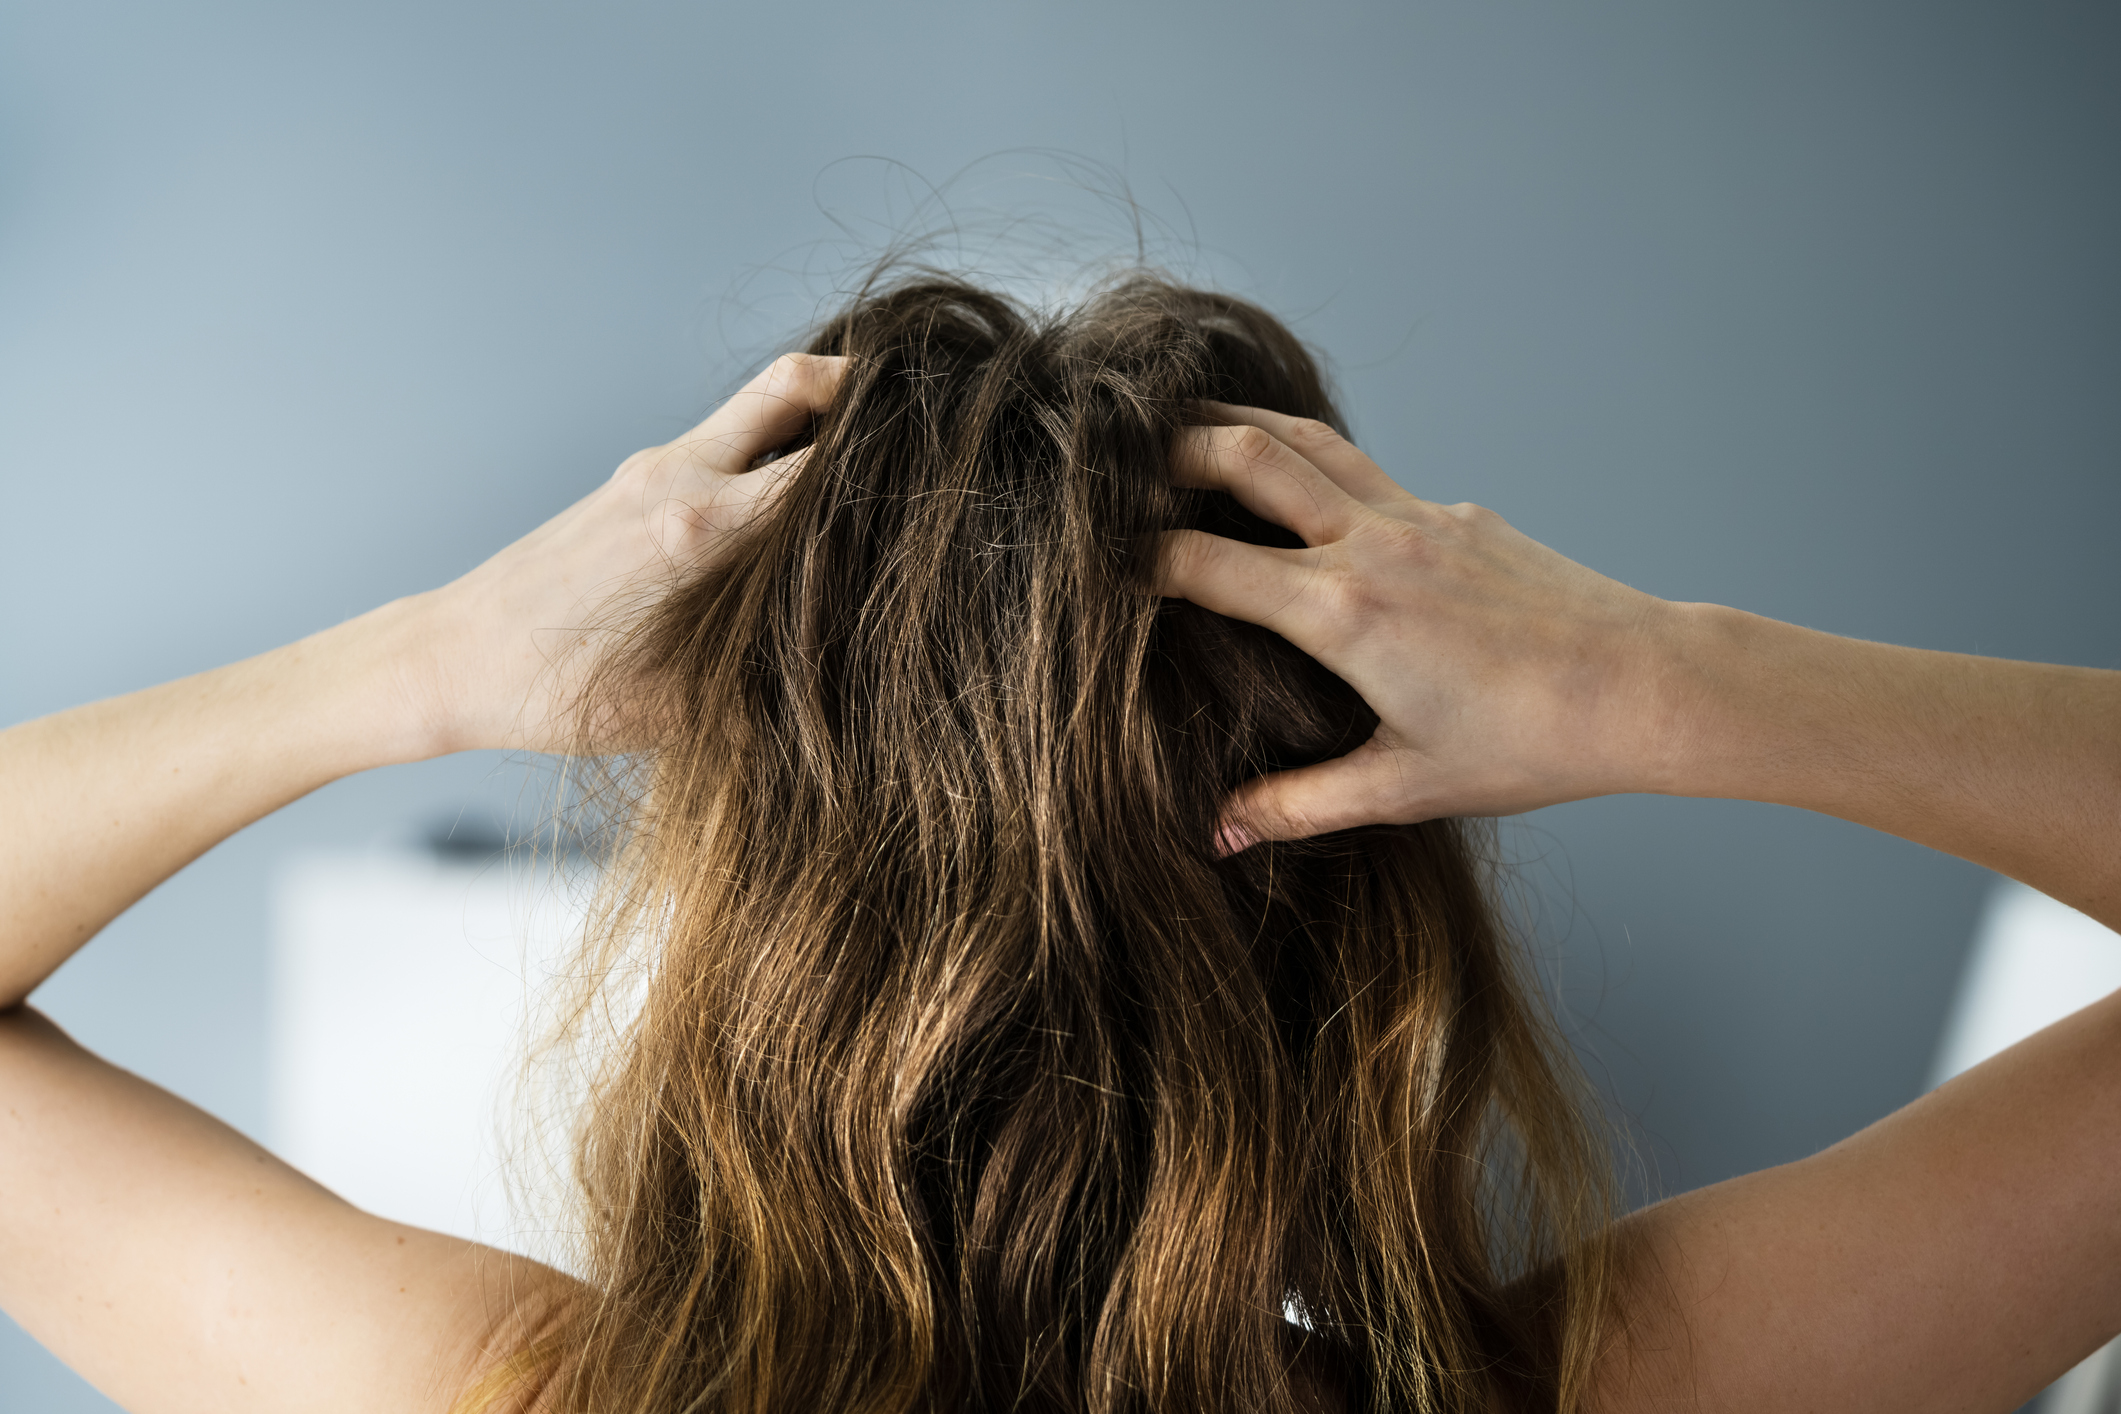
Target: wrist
x: 1739, y: 704
x: 1702, y: 655
x: 376, y: 688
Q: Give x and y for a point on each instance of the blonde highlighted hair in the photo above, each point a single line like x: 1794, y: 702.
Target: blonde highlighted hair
x: 967, y: 1075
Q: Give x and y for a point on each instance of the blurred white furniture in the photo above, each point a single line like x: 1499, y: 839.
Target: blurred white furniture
x: 402, y: 985
x: 2034, y: 962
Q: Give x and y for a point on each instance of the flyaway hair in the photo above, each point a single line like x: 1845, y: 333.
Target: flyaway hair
x: 966, y: 1076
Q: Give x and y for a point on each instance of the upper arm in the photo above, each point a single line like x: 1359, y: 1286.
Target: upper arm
x: 1960, y: 1254
x: 178, y: 1266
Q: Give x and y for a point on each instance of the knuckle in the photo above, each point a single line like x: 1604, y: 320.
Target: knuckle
x: 796, y: 370
x: 1252, y: 444
x: 1402, y: 542
x: 673, y: 524
x: 1310, y: 432
x: 636, y: 466
x: 808, y: 377
x: 1349, y: 602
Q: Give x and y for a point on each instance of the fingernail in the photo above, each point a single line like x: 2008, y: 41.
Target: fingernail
x: 1231, y: 838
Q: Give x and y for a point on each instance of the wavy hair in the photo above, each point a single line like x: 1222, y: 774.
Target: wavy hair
x: 965, y: 1075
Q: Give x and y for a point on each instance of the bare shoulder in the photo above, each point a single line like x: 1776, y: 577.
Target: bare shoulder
x: 178, y: 1266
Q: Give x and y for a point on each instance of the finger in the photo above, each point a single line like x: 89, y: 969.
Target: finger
x: 1266, y: 476
x: 1345, y: 464
x: 755, y: 490
x: 1365, y: 787
x: 765, y: 412
x: 1260, y: 584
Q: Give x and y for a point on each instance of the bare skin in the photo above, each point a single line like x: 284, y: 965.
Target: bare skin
x: 1956, y: 1256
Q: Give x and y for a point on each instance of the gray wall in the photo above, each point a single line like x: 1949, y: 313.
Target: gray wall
x: 1808, y: 308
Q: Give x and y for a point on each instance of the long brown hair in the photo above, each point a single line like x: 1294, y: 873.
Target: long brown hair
x: 966, y: 1076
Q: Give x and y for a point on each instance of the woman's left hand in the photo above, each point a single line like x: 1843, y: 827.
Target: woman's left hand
x: 506, y: 645
x: 1504, y: 675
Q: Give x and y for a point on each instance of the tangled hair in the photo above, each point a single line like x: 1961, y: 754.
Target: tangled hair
x: 967, y: 1077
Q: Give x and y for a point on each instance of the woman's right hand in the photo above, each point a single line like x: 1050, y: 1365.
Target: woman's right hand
x: 504, y: 647
x: 1504, y: 676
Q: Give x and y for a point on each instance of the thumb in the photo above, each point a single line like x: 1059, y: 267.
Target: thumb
x: 1368, y: 786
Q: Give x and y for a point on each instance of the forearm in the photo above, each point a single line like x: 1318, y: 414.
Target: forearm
x: 2015, y: 766
x: 105, y: 801
x: 1959, y: 1254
